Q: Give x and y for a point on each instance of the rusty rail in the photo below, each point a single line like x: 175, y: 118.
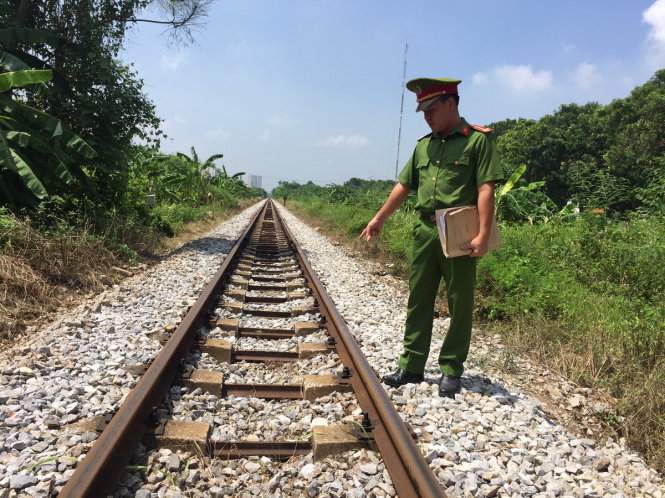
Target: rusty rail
x: 403, y: 459
x: 104, y: 464
x: 102, y: 467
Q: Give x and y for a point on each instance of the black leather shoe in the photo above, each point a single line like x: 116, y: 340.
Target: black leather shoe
x: 449, y: 385
x: 402, y: 377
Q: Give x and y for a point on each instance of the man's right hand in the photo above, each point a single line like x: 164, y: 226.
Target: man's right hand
x: 395, y: 199
x: 373, y: 229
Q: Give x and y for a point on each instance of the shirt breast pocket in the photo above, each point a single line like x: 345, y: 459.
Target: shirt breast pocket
x: 422, y: 168
x: 459, y: 170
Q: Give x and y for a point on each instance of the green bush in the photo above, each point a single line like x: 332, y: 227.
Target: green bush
x: 223, y: 197
x: 583, y: 294
x: 591, y: 274
x: 398, y: 233
x: 177, y: 215
x: 7, y: 222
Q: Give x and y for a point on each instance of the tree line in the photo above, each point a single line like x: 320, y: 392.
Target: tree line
x: 608, y: 157
x: 71, y: 115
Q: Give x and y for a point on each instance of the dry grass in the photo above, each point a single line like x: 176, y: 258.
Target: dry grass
x: 39, y: 274
x: 74, y: 258
x: 22, y: 294
x: 638, y: 408
x: 37, y: 271
x: 583, y: 357
x: 644, y: 426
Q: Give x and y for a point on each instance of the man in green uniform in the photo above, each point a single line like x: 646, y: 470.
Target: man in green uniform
x: 455, y: 165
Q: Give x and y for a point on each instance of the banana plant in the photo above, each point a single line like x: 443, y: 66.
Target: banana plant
x: 524, y: 202
x: 24, y: 60
x: 232, y: 183
x: 187, y: 178
x: 38, y: 153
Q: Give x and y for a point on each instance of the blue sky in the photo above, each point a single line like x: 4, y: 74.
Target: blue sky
x: 300, y: 90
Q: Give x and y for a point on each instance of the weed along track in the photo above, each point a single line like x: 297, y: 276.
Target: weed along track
x: 262, y: 370
x: 258, y: 389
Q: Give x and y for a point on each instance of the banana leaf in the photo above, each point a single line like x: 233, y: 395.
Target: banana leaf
x: 533, y: 186
x: 29, y: 178
x: 20, y: 137
x: 14, y: 162
x: 48, y: 123
x: 79, y: 145
x: 58, y: 166
x: 16, y: 79
x: 512, y: 181
x: 34, y: 62
x: 29, y: 35
x: 11, y: 63
x: 213, y: 158
x: 6, y: 158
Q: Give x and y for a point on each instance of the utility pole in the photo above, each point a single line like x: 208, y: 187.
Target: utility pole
x: 401, y: 110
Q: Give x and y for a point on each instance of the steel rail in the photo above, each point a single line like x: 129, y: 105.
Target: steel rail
x: 104, y: 464
x: 403, y: 459
x: 102, y: 467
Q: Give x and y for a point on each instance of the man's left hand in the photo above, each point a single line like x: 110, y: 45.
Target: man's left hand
x: 478, y: 247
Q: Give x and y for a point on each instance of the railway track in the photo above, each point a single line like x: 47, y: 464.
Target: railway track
x: 264, y: 309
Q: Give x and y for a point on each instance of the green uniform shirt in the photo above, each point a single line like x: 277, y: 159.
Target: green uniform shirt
x: 446, y: 171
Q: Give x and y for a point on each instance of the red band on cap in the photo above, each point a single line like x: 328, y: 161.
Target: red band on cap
x: 434, y: 91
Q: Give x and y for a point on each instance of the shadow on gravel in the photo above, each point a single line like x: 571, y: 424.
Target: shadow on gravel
x: 485, y: 386
x: 306, y: 252
x: 204, y: 245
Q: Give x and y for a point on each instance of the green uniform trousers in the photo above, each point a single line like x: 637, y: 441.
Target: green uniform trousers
x: 428, y: 265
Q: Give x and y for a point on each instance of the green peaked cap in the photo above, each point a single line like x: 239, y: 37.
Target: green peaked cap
x: 426, y: 88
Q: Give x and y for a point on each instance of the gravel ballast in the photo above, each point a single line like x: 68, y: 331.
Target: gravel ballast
x: 493, y: 439
x: 84, y: 364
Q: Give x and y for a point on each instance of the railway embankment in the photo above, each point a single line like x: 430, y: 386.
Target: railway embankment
x: 502, y: 436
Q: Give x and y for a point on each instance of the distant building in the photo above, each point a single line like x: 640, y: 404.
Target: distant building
x: 254, y: 181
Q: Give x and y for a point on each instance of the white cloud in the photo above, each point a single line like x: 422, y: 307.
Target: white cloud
x: 279, y: 121
x: 173, y: 61
x: 218, y: 133
x: 344, y: 141
x: 523, y: 78
x: 267, y: 134
x: 518, y: 78
x: 173, y: 123
x: 655, y: 16
x: 586, y: 75
x: 480, y: 79
x: 627, y: 82
x: 568, y: 47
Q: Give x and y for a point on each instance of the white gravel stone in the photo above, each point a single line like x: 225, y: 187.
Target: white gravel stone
x: 491, y: 428
x: 19, y: 482
x: 491, y: 440
x: 83, y: 365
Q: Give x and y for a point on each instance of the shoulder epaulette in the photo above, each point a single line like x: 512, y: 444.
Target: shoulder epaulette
x: 424, y: 136
x: 484, y: 129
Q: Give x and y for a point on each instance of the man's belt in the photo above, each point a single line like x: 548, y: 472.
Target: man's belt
x: 428, y: 217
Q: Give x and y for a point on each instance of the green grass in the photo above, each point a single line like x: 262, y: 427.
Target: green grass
x: 585, y: 297
x: 178, y: 215
x: 592, y: 274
